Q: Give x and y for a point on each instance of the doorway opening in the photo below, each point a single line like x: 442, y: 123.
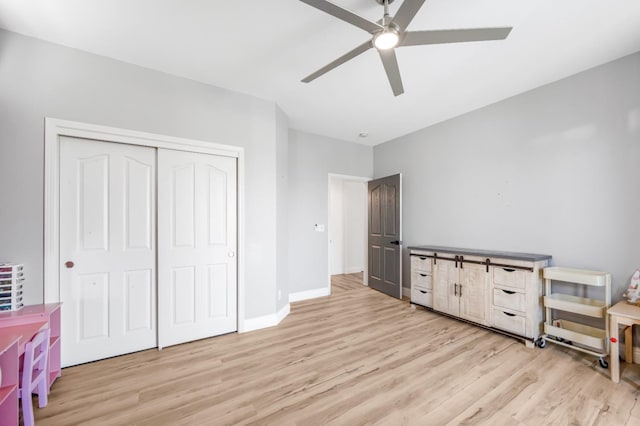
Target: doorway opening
x: 347, y: 226
x: 344, y: 284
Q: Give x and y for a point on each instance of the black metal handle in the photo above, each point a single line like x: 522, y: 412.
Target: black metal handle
x: 423, y: 275
x: 455, y: 289
x: 422, y: 291
x: 460, y: 290
x: 422, y: 258
x: 396, y: 242
x: 461, y: 262
x: 508, y: 269
x: 509, y: 292
x: 508, y: 314
x: 456, y: 261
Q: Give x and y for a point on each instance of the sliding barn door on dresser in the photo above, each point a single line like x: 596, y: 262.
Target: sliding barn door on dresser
x: 461, y: 289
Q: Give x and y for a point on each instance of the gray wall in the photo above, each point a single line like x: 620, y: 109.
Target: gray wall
x: 40, y: 79
x: 311, y: 159
x: 555, y: 170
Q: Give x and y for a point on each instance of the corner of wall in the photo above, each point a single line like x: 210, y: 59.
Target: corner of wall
x: 266, y: 321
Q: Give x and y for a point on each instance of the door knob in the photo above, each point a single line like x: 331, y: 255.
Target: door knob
x: 69, y: 264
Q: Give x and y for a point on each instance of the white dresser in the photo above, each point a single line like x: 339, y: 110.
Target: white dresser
x: 497, y: 290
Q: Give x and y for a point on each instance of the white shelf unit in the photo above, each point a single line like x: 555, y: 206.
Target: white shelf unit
x: 11, y: 281
x: 585, y: 338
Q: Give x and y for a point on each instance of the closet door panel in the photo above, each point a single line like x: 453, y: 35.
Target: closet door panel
x: 107, y: 249
x: 196, y: 230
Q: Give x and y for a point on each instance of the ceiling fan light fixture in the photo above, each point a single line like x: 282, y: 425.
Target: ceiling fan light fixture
x: 387, y: 39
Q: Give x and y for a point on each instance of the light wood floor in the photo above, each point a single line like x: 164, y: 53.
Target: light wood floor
x: 355, y: 357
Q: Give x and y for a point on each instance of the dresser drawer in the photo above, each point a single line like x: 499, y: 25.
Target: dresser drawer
x: 420, y: 263
x: 509, y: 299
x: 422, y: 297
x: 510, y: 277
x: 421, y: 280
x: 509, y: 322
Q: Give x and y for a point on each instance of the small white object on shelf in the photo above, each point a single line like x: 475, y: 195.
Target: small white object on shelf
x: 633, y: 291
x: 581, y: 337
x: 11, y: 282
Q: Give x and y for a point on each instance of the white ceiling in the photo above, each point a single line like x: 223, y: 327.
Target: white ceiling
x: 265, y: 47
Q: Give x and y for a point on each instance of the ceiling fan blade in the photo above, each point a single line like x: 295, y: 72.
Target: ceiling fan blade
x: 407, y: 12
x: 341, y: 60
x: 393, y: 72
x: 345, y: 15
x: 416, y: 38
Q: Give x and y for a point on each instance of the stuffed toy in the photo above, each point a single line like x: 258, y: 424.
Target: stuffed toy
x: 633, y: 292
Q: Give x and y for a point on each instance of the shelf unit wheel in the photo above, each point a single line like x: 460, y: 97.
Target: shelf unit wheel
x: 603, y: 362
x: 541, y: 343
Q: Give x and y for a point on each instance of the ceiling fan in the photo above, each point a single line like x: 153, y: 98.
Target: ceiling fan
x: 389, y: 33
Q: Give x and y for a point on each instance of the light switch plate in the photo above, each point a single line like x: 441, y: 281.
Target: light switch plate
x: 319, y: 227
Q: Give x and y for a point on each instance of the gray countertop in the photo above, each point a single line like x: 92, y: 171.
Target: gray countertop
x: 531, y: 257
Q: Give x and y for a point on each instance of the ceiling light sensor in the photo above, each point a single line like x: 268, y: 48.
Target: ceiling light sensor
x: 363, y: 134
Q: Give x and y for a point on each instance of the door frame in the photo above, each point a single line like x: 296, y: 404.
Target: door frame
x: 55, y: 128
x: 365, y: 275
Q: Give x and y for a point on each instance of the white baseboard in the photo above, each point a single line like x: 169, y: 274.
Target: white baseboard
x: 265, y: 321
x: 353, y: 269
x: 309, y: 294
x: 282, y: 313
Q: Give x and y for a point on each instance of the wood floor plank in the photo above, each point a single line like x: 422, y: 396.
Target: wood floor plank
x: 352, y: 358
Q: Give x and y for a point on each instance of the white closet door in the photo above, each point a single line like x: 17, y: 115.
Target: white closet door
x: 107, y: 249
x: 196, y: 246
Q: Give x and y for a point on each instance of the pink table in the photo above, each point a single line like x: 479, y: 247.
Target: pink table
x: 16, y: 329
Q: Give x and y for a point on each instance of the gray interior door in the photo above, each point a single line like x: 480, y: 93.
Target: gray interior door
x: 385, y: 235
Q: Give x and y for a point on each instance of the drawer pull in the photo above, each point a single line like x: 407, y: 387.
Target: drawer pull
x: 509, y: 292
x: 422, y: 258
x: 422, y: 291
x: 423, y: 275
x: 508, y: 314
x: 508, y: 269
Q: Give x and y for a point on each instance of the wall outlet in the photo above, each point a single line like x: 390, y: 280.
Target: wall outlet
x: 319, y: 227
